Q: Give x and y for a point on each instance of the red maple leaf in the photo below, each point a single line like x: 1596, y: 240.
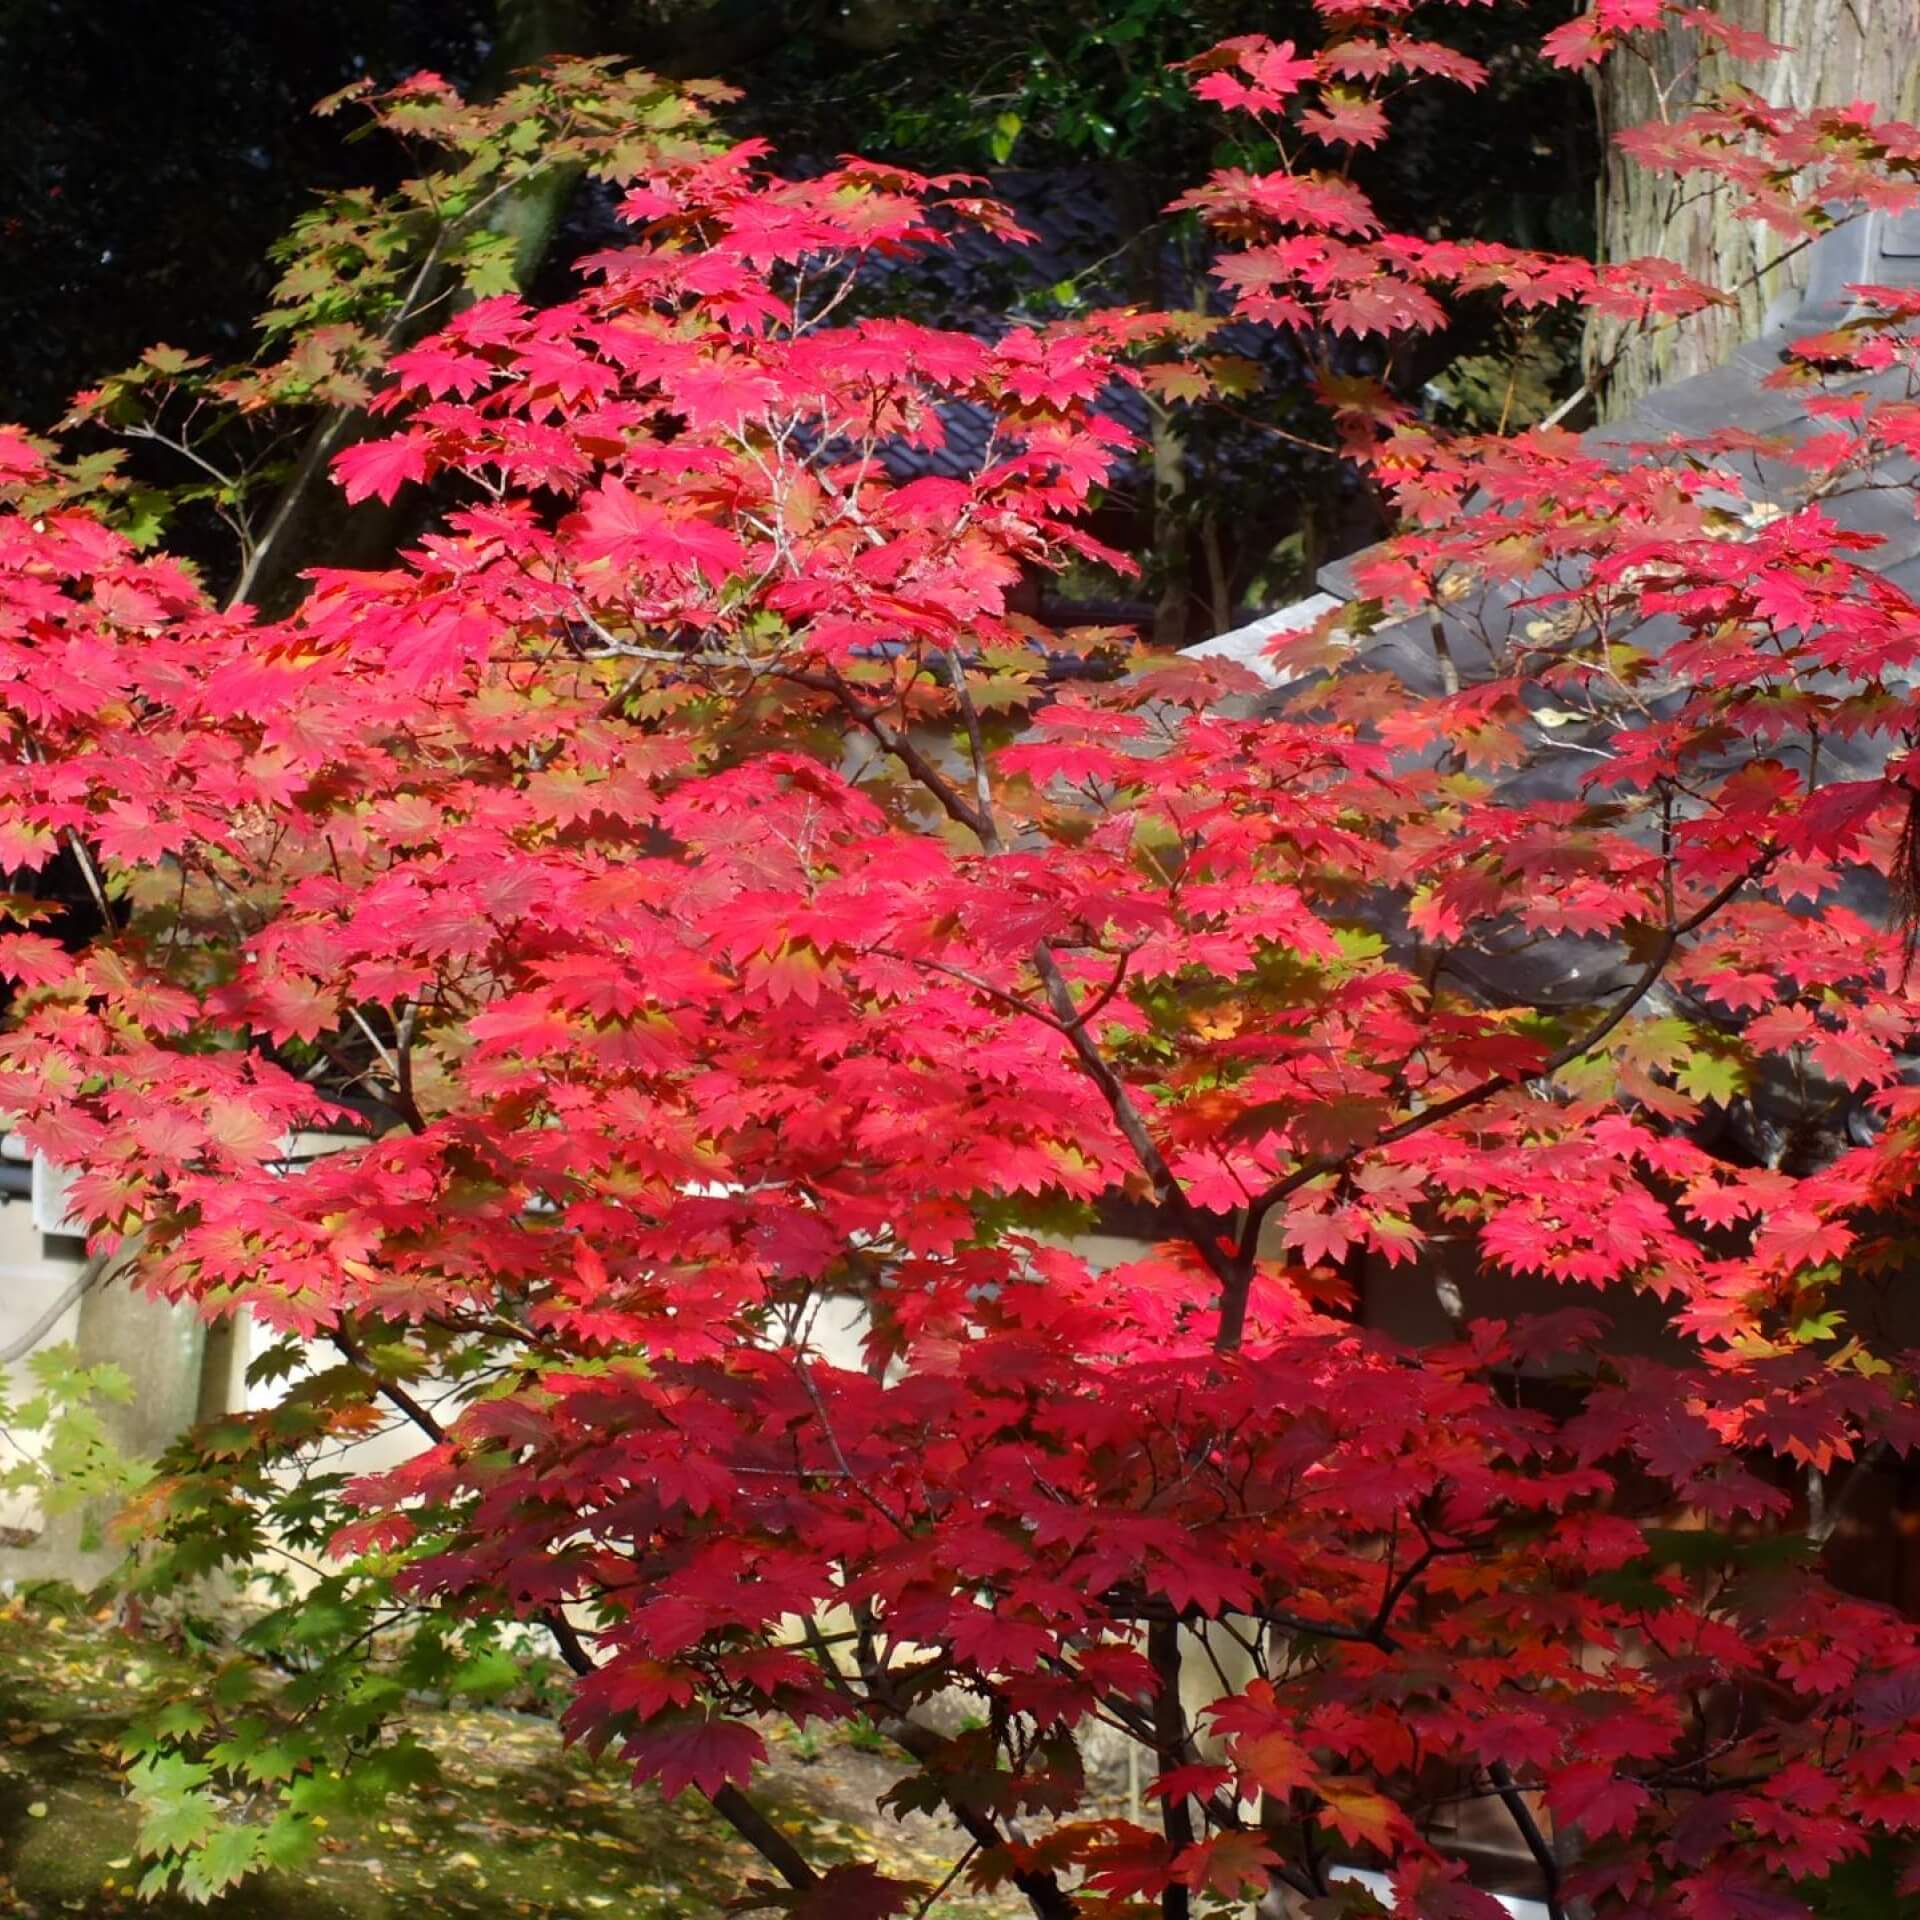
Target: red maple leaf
x: 681, y: 1750
x: 378, y: 469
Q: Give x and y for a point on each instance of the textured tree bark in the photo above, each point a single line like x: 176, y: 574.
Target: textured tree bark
x: 1837, y: 51
x: 1172, y: 549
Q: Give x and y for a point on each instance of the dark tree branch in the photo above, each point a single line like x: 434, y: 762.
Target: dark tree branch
x: 1536, y: 1842
x: 1476, y: 1095
x: 977, y: 817
x: 730, y: 1803
x: 1170, y: 1741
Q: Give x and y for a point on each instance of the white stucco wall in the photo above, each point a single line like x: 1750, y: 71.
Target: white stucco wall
x: 35, y: 1270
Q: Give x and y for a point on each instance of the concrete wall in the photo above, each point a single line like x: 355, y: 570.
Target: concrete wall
x: 35, y: 1269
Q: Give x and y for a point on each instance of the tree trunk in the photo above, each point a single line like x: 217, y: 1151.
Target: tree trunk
x: 1171, y: 545
x: 1837, y: 51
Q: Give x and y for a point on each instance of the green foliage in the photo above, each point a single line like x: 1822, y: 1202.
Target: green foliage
x: 1866, y: 1887
x: 360, y: 274
x: 289, y: 1716
x: 1515, y: 383
x: 268, y: 1739
x: 57, y: 1443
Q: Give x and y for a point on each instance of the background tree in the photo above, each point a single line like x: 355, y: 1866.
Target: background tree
x: 1824, y: 53
x: 150, y: 210
x: 1073, y: 107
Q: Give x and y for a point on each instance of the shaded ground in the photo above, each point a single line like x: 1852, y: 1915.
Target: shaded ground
x: 521, y: 1826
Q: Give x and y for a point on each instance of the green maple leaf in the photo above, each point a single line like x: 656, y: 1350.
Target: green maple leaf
x: 255, y: 1750
x: 1712, y: 1072
x: 177, y: 1811
x: 230, y: 1855
x: 486, y: 265
x: 391, y: 1769
x: 1652, y: 1044
x: 320, y: 1792
x: 491, y: 1671
x: 178, y: 1718
x: 287, y: 1843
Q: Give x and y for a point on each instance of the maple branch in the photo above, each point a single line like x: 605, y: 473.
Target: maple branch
x: 50, y: 1316
x: 1122, y: 1605
x: 1536, y: 1842
x: 1194, y: 1223
x: 233, y: 518
x: 82, y: 853
x: 390, y: 1389
x: 1824, y: 1515
x: 953, y: 1873
x: 900, y: 744
x: 325, y: 440
x: 399, y: 1070
x: 1170, y: 1743
x: 1201, y: 1232
x: 976, y: 745
x: 763, y: 1837
x: 428, y: 288
x: 845, y: 1465
x: 1317, y: 1886
x: 1232, y: 1329
x: 973, y: 982
x: 1042, y: 1890
x: 1105, y: 997
x: 729, y: 1802
x: 1133, y: 1606
x: 1396, y: 1591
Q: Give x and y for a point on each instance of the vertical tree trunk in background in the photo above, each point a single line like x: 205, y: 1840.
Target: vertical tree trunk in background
x: 311, y: 525
x: 1171, y: 546
x: 1160, y: 273
x: 1837, y: 51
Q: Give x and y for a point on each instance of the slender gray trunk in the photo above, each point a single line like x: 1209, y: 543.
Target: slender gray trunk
x: 1837, y: 51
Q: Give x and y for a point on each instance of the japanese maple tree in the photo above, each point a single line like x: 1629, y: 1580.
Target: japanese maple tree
x: 706, y: 903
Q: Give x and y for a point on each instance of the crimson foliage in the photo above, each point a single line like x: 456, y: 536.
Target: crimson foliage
x: 707, y: 902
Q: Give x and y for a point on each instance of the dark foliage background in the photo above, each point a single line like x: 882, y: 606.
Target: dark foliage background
x: 152, y: 150
x: 150, y: 153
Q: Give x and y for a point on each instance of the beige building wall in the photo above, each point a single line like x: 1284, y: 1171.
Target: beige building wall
x: 35, y: 1270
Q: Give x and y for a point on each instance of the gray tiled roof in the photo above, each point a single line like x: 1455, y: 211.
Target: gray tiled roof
x: 1731, y: 399
x: 1877, y: 249
x: 981, y: 285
